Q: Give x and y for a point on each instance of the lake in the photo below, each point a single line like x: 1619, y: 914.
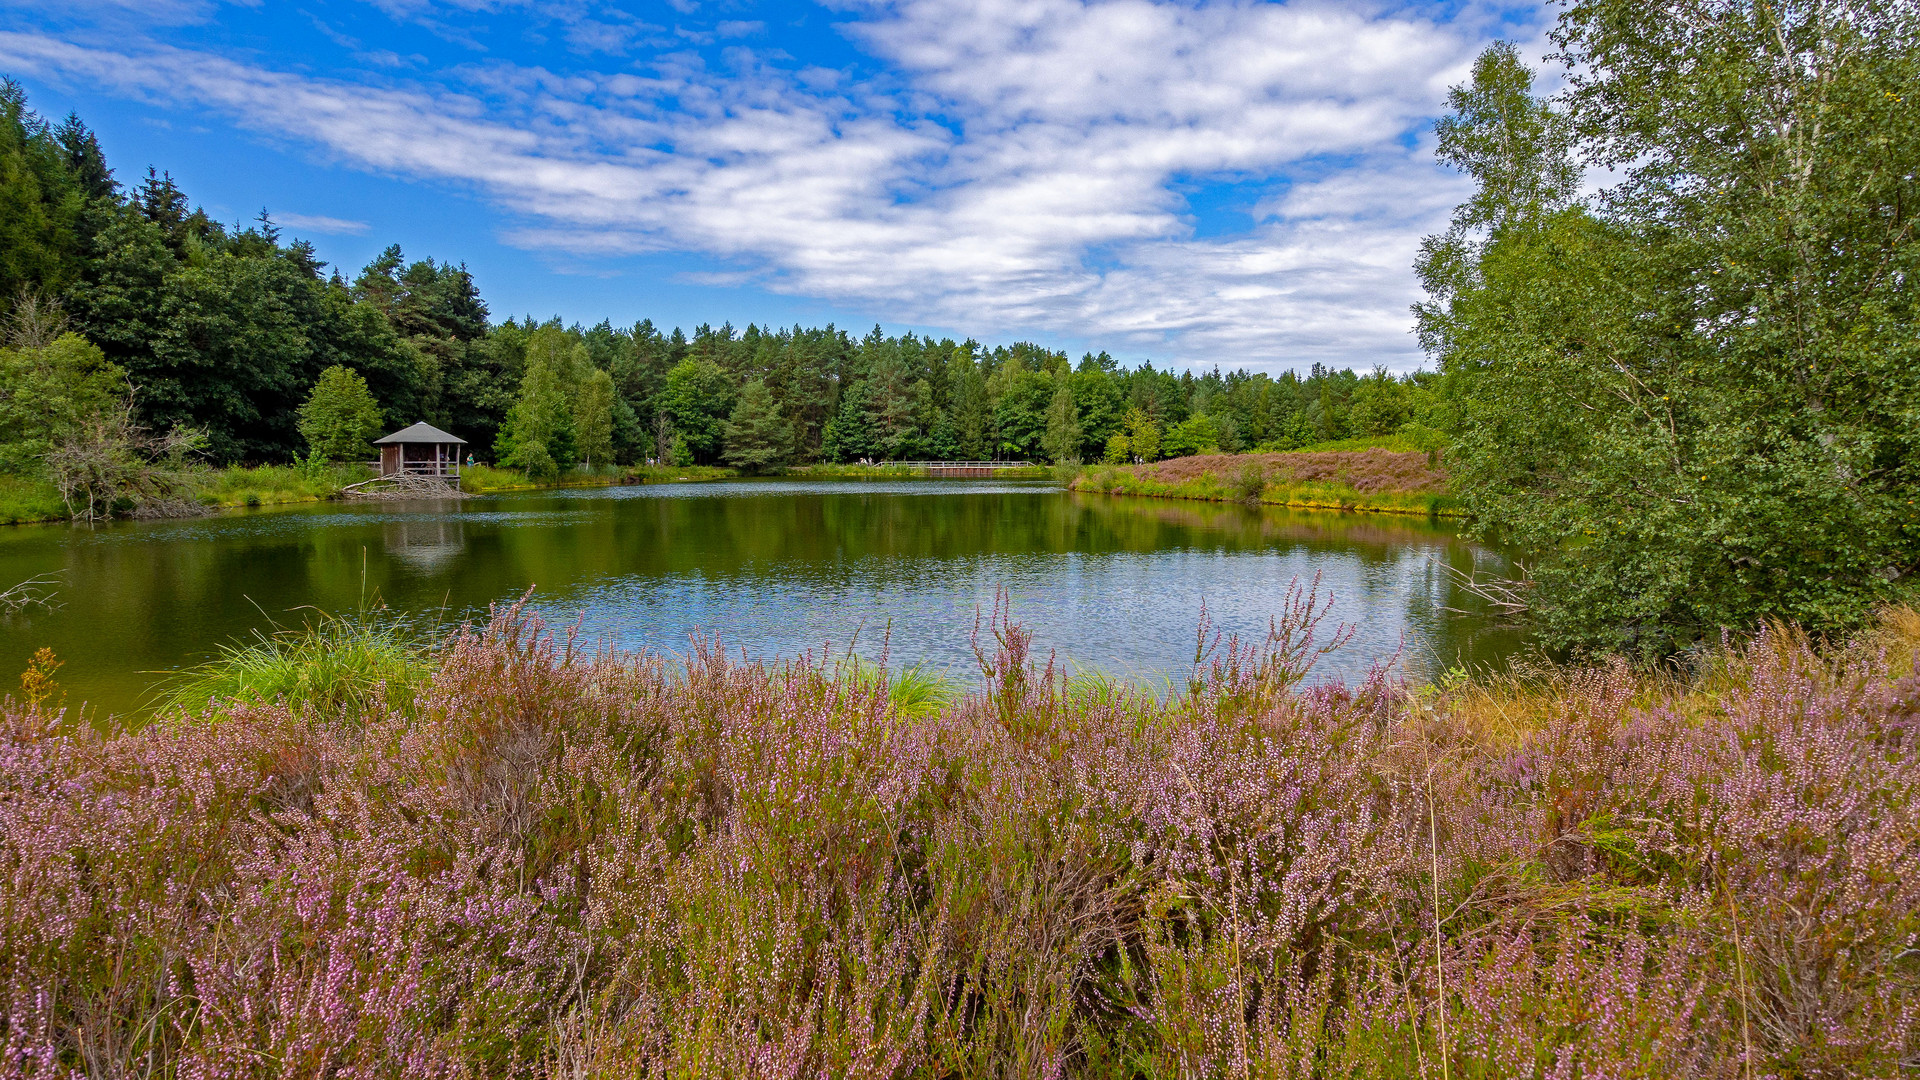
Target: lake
x: 774, y: 567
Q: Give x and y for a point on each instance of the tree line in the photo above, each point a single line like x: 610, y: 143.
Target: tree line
x: 226, y: 331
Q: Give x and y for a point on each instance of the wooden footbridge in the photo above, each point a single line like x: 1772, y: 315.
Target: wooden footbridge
x: 958, y: 469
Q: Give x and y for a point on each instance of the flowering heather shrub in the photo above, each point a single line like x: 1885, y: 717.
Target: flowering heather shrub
x: 1366, y: 471
x: 556, y: 864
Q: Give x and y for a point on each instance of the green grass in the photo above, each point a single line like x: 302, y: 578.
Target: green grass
x: 486, y: 479
x: 271, y: 485
x: 331, y: 664
x: 915, y: 691
x: 23, y: 500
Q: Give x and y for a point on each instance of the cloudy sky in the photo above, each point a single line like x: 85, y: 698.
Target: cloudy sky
x: 1188, y: 182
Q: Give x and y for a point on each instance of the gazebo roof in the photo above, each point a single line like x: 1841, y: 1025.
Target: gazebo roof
x: 419, y: 433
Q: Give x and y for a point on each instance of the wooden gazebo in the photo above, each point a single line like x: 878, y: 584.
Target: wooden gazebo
x: 420, y: 450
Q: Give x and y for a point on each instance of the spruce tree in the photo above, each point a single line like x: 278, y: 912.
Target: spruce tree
x: 757, y: 437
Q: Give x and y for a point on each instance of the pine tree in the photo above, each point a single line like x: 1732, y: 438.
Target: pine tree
x: 340, y: 416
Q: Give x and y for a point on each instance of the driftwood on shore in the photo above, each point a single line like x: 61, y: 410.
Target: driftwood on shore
x: 406, y: 486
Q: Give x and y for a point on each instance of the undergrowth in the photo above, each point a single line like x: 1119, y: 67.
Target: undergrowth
x: 23, y: 500
x: 268, y: 485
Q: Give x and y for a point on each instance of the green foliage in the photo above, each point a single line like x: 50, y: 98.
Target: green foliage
x: 47, y: 392
x: 1143, y: 436
x: 539, y: 435
x: 698, y: 398
x: 44, y: 199
x: 757, y: 437
x: 1062, y: 441
x: 1693, y: 403
x: 1381, y: 405
x: 1194, y: 435
x: 1020, y: 414
x: 593, y: 418
x: 340, y: 418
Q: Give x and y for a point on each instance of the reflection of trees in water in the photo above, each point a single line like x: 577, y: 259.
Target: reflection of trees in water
x: 428, y: 543
x: 1404, y: 560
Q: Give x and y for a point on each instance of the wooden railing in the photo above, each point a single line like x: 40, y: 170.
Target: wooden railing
x: 419, y: 468
x: 955, y: 465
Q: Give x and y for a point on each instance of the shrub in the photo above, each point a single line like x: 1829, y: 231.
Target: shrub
x: 556, y: 863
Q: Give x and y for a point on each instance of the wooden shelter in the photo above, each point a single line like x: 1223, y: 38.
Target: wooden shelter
x: 420, y: 450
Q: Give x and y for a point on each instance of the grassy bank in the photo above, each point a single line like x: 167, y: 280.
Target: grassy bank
x: 273, y: 485
x: 1377, y: 480
x: 23, y: 500
x: 484, y: 479
x: 527, y: 861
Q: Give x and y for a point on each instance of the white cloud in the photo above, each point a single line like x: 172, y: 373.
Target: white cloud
x: 120, y: 13
x: 1014, y: 173
x: 320, y: 223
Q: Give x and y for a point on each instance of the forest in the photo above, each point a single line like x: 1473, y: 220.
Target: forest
x: 223, y: 331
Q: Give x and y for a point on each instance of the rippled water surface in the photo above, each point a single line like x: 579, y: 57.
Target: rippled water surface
x: 772, y: 567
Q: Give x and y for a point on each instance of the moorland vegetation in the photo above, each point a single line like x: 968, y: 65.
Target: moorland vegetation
x: 343, y: 854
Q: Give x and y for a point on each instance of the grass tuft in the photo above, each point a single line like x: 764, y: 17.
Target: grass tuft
x: 331, y: 664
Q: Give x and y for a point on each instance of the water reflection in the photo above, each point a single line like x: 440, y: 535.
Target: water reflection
x: 428, y: 542
x: 773, y: 567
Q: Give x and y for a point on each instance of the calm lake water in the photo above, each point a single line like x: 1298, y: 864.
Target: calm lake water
x: 773, y: 567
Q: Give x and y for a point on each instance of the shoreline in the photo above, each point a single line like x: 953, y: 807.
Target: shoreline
x: 286, y: 490
x: 273, y: 485
x: 1396, y: 482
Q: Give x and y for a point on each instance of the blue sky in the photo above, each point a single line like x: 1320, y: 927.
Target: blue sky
x: 1195, y: 183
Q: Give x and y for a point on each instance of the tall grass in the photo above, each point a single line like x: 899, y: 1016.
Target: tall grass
x: 331, y: 663
x: 558, y: 864
x: 24, y: 500
x: 268, y: 485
